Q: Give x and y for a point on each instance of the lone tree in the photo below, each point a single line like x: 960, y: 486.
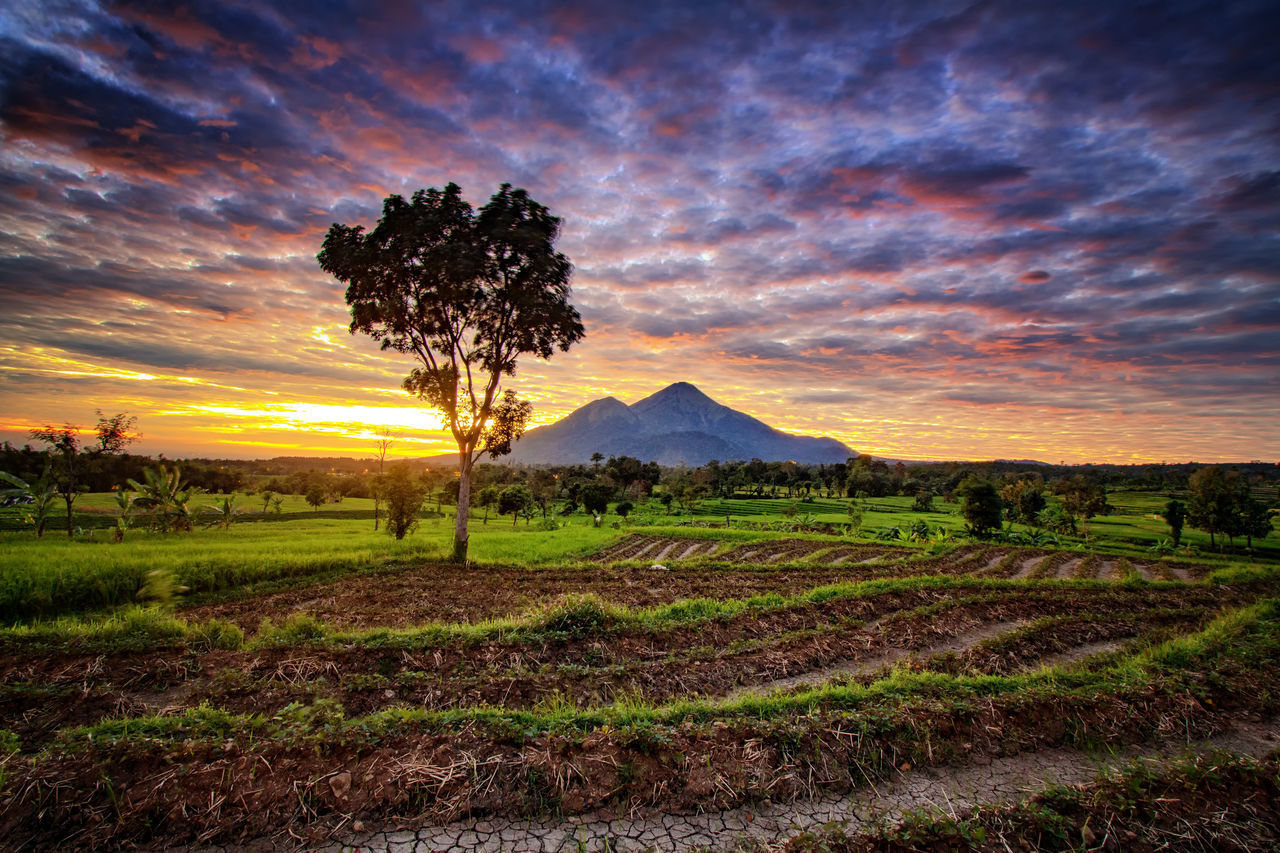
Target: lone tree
x: 466, y: 294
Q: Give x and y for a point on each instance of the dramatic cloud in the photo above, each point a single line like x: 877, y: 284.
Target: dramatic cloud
x: 944, y: 229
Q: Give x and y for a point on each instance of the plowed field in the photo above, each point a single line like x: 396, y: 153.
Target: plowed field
x: 672, y: 675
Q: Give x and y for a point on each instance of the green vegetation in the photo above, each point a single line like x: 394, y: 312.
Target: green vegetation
x: 50, y: 577
x: 697, y: 648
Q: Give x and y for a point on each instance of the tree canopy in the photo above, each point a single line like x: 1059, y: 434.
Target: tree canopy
x: 466, y: 294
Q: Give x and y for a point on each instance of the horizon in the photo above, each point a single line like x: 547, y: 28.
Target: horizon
x: 87, y: 433
x: 946, y: 232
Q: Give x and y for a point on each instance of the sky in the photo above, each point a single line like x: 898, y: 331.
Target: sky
x: 932, y: 230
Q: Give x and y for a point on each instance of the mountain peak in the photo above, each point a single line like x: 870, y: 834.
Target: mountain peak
x: 683, y: 394
x: 675, y: 425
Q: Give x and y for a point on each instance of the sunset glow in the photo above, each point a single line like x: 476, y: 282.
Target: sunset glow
x: 945, y: 230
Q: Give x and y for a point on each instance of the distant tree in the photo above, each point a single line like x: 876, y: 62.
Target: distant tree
x: 449, y: 493
x: 595, y: 498
x: 115, y: 433
x: 383, y: 444
x: 624, y: 508
x: 316, y: 495
x: 691, y: 496
x: 124, y: 514
x: 1023, y: 501
x: 488, y: 499
x: 923, y: 501
x: 543, y: 485
x: 1211, y: 499
x: 666, y: 499
x: 1083, y: 498
x: 466, y: 295
x: 1252, y: 519
x: 1175, y: 514
x: 223, y: 512
x: 514, y: 500
x: 596, y: 459
x: 404, y: 495
x: 64, y: 445
x: 980, y: 506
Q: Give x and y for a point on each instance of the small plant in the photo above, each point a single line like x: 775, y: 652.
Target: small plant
x: 578, y: 617
x: 124, y: 503
x: 161, y: 588
x: 299, y: 629
x: 224, y: 512
x: 855, y: 515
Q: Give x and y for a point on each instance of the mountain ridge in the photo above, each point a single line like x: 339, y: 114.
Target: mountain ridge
x: 677, y: 425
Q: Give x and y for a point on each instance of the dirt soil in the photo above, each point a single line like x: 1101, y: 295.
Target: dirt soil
x: 448, y: 593
x: 757, y: 650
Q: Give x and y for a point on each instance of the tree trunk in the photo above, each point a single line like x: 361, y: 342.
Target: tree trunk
x: 464, y: 506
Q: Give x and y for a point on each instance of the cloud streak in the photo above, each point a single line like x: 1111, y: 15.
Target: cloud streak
x: 930, y: 230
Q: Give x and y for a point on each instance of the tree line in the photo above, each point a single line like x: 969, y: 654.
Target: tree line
x: 1221, y: 501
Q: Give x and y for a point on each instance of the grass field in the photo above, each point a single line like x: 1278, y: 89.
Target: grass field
x: 317, y: 675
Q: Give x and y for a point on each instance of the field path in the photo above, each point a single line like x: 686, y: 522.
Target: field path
x: 949, y: 789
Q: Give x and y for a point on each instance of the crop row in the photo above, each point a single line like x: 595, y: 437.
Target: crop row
x: 209, y: 774
x: 584, y: 654
x: 881, y: 561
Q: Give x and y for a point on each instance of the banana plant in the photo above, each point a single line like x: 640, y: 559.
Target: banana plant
x: 224, y: 512
x: 40, y: 495
x: 124, y: 501
x: 165, y: 498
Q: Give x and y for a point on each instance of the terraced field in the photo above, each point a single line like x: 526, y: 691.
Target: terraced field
x: 674, y: 692
x: 890, y: 561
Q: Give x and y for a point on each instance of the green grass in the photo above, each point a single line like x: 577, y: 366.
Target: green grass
x: 53, y: 576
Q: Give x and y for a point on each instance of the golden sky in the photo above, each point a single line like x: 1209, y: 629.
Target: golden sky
x: 941, y: 231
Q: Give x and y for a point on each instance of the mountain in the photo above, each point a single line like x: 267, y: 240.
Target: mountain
x: 679, y: 424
